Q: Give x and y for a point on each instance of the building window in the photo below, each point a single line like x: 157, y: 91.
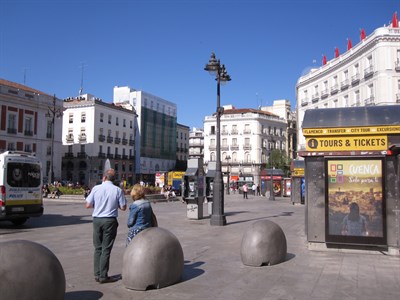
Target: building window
x: 11, y: 147
x: 117, y: 121
x: 12, y: 121
x: 101, y: 117
x: 124, y: 123
x: 212, y: 130
x: 28, y: 126
x: 109, y: 119
x: 83, y: 117
x: 71, y: 118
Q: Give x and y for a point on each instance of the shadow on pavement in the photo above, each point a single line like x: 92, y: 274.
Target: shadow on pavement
x: 83, y: 295
x: 282, y: 214
x: 191, y: 270
x: 47, y: 220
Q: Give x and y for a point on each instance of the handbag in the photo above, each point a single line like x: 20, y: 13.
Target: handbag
x: 154, y: 222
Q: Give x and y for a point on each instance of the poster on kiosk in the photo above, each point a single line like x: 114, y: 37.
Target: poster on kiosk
x: 355, y: 208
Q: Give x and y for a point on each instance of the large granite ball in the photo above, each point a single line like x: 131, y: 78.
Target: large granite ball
x: 29, y: 270
x: 153, y: 259
x: 264, y: 243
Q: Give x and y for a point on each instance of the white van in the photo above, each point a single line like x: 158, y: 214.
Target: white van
x: 20, y: 187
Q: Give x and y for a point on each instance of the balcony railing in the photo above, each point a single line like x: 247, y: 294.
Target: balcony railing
x: 304, y: 102
x: 370, y: 101
x: 131, y: 142
x: 124, y: 141
x: 224, y: 132
x: 247, y: 131
x: 69, y: 138
x: 109, y: 155
x: 110, y: 139
x: 28, y: 132
x: 82, y: 137
x: 368, y: 71
x: 397, y: 65
x: 246, y: 147
x: 117, y: 140
x: 324, y: 93
x: 101, y: 155
x: 68, y: 155
x: 212, y: 147
x: 344, y: 84
x: 355, y: 79
x: 117, y: 156
x: 315, y: 98
x: 12, y: 130
x: 234, y: 131
x: 235, y: 147
x: 334, y: 89
x: 102, y: 137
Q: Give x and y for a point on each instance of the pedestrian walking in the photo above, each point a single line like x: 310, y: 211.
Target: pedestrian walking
x: 245, y: 190
x: 253, y: 188
x: 106, y: 199
x: 258, y: 190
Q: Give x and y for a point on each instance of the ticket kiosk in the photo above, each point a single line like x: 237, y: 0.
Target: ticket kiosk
x: 352, y: 167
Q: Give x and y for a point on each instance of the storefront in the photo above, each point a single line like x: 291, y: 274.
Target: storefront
x: 351, y: 176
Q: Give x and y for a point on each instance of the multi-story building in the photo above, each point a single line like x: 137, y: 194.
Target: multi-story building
x: 248, y: 137
x: 157, y: 121
x: 182, y: 145
x: 94, y: 131
x: 282, y: 108
x: 26, y: 124
x: 366, y: 74
x: 196, y: 143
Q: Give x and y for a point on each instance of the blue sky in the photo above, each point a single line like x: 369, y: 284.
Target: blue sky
x: 162, y: 46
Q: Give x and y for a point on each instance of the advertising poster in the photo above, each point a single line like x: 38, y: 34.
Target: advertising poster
x: 355, y: 202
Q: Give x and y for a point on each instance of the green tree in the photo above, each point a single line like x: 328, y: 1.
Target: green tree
x: 279, y: 160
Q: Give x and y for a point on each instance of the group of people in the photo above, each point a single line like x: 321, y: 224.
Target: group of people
x: 168, y: 191
x: 255, y: 189
x: 51, y: 194
x: 106, y: 199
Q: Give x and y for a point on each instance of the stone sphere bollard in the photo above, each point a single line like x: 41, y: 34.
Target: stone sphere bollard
x: 29, y: 270
x: 153, y: 259
x: 264, y: 243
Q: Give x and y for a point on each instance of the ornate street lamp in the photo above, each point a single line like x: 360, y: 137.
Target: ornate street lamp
x: 221, y: 76
x: 272, y: 194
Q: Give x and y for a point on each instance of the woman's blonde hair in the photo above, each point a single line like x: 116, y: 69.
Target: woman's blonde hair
x: 137, y: 192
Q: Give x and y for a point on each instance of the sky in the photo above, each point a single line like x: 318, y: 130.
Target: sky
x: 162, y: 46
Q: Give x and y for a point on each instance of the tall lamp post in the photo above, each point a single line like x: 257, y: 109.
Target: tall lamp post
x: 272, y: 194
x: 53, y: 112
x: 228, y: 157
x: 218, y: 218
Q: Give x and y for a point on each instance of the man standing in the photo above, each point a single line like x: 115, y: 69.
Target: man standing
x: 245, y: 190
x: 106, y: 199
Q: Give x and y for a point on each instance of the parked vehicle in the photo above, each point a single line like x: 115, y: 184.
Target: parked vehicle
x: 20, y: 187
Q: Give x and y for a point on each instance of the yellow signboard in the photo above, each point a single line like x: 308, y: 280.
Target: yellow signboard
x: 352, y: 131
x: 345, y: 143
x: 298, y: 172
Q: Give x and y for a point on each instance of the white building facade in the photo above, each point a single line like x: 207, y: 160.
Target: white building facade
x: 26, y: 124
x: 157, y: 122
x: 248, y: 137
x: 94, y: 131
x: 196, y: 143
x: 366, y: 74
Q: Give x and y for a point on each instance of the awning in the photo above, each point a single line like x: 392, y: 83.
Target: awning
x: 191, y: 172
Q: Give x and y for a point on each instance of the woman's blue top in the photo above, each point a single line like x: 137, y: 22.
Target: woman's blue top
x: 139, y: 215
